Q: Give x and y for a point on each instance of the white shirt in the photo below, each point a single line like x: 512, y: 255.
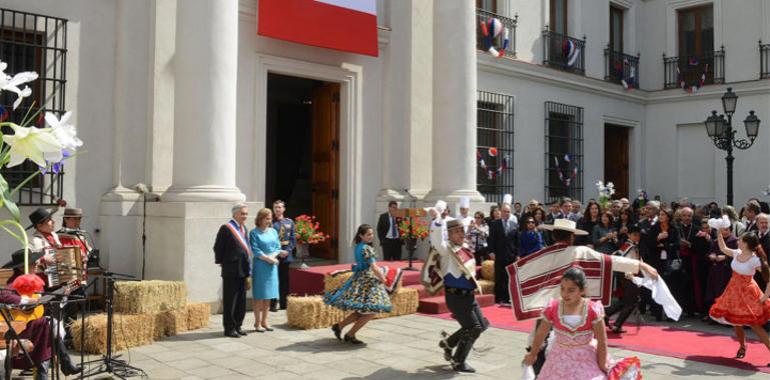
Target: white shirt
x: 512, y: 224
x: 390, y: 234
x: 446, y: 249
x: 466, y: 221
x: 746, y: 268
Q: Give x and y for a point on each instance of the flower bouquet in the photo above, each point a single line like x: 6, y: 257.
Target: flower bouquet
x: 47, y: 147
x: 605, y: 193
x: 412, y: 229
x: 307, y: 231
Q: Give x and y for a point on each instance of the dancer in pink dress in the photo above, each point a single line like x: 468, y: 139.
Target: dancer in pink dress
x: 573, y: 353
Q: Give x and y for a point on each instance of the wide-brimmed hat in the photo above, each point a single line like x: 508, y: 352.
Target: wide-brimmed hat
x: 39, y: 216
x: 17, y: 259
x: 563, y: 225
x: 454, y: 223
x: 73, y: 212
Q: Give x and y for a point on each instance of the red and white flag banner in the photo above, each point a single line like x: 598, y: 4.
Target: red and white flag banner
x: 346, y: 25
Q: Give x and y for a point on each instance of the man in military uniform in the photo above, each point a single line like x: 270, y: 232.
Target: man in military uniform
x: 285, y: 228
x: 630, y: 299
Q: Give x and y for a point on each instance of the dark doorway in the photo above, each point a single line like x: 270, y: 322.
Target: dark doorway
x: 301, y: 152
x: 616, y: 158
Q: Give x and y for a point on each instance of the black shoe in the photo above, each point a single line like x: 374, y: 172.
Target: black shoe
x: 741, y: 353
x: 273, y: 309
x: 240, y: 332
x: 232, y: 334
x: 618, y: 330
x: 463, y: 367
x: 447, y: 350
x: 337, y: 331
x: 352, y: 339
x: 68, y: 368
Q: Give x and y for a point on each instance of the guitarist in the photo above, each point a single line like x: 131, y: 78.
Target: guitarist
x: 38, y: 332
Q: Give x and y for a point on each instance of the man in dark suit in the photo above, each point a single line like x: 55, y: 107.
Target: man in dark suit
x: 750, y: 212
x: 232, y: 252
x: 647, y: 246
x: 763, y: 233
x: 502, y: 239
x: 387, y: 232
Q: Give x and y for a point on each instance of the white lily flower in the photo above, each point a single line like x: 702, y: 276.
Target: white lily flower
x: 35, y: 144
x: 65, y: 133
x: 11, y: 83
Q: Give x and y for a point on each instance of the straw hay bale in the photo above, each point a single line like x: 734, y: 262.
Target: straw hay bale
x: 487, y: 286
x: 332, y: 283
x: 137, y: 297
x: 488, y: 270
x: 170, y: 323
x: 128, y: 331
x: 198, y: 315
x: 310, y: 312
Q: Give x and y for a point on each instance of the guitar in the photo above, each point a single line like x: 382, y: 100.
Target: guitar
x: 36, y: 310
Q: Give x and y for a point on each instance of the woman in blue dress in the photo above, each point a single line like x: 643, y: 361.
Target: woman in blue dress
x: 364, y: 293
x: 266, y: 248
x: 530, y: 238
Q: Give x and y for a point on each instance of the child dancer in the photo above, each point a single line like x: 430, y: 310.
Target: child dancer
x: 743, y: 303
x: 364, y: 293
x: 576, y: 321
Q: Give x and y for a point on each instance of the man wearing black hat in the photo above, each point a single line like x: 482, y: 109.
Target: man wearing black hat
x: 630, y: 300
x: 458, y: 269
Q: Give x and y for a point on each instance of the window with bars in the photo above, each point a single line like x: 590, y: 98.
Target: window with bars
x: 33, y: 42
x: 494, y: 139
x: 563, y: 151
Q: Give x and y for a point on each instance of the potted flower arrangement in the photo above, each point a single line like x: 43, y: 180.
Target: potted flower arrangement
x: 307, y: 231
x: 412, y: 229
x: 605, y: 193
x: 47, y: 147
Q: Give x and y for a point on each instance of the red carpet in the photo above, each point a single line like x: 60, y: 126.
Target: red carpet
x: 311, y: 280
x: 663, y: 341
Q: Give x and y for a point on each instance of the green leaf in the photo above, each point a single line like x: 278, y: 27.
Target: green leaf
x: 5, y: 198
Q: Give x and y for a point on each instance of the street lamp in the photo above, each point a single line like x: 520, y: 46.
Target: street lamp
x: 721, y: 132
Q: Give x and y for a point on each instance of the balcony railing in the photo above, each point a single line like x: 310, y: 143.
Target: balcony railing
x: 695, y: 70
x: 564, y: 52
x: 764, y: 60
x: 621, y: 68
x: 496, y: 34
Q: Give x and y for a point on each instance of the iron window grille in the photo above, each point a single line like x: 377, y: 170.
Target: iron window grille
x: 619, y: 67
x: 764, y: 60
x: 563, y: 151
x: 563, y: 52
x: 509, y: 28
x: 34, y: 42
x: 694, y: 70
x: 494, y: 129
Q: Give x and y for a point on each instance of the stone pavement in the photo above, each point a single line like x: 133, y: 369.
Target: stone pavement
x: 398, y: 348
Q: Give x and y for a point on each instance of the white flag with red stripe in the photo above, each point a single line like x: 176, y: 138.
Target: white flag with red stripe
x: 347, y: 25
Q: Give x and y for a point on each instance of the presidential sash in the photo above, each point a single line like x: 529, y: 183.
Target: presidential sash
x: 240, y: 235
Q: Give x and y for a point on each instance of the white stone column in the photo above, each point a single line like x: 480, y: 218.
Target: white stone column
x: 454, y: 101
x: 205, y: 62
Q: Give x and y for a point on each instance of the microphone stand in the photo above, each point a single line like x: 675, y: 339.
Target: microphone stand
x: 411, y: 245
x: 56, y: 320
x: 108, y: 364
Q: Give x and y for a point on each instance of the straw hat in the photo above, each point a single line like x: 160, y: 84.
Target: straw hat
x: 563, y: 225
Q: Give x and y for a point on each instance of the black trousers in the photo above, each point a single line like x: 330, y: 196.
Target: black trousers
x: 502, y: 294
x: 234, y: 302
x: 626, y: 305
x: 283, y: 286
x: 472, y: 323
x: 391, y: 249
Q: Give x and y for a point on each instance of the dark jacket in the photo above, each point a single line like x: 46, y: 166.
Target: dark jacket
x: 383, y: 225
x: 503, y: 245
x: 670, y: 244
x: 230, y: 254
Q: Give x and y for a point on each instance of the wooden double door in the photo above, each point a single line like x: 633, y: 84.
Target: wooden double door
x: 325, y: 166
x: 616, y: 162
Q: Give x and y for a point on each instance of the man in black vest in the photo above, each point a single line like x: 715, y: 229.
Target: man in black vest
x: 232, y: 253
x: 387, y: 232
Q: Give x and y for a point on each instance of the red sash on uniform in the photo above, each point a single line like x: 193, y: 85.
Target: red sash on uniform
x: 240, y: 235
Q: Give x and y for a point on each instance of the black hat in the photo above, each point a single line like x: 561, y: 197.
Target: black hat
x: 17, y: 259
x: 633, y: 228
x: 39, y: 216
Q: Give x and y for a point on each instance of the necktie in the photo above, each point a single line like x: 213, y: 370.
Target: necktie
x: 393, y: 231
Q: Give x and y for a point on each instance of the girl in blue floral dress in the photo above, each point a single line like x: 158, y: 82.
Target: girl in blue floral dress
x: 364, y: 293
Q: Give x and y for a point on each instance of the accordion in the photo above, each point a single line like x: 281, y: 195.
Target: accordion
x: 68, y: 267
